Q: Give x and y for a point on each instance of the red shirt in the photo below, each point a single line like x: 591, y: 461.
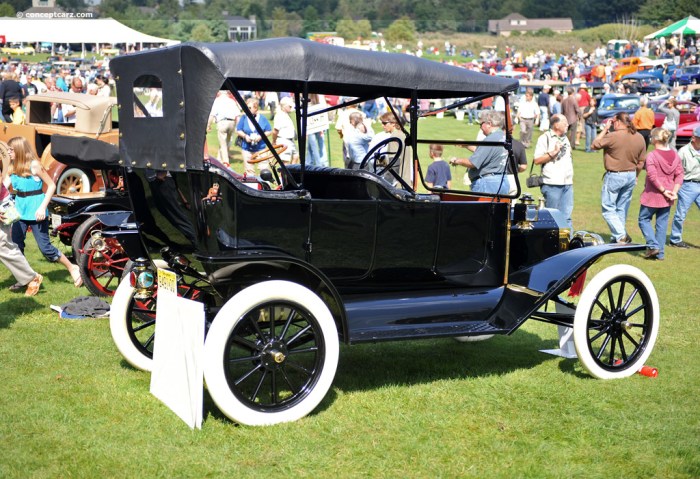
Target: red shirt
x: 584, y: 98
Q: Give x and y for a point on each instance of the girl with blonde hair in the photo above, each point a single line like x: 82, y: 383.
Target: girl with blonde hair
x: 27, y: 177
x: 664, y: 179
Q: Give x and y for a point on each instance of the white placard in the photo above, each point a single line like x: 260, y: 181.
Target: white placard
x: 178, y: 376
x: 317, y: 123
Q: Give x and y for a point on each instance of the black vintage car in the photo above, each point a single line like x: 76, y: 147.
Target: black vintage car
x: 330, y: 254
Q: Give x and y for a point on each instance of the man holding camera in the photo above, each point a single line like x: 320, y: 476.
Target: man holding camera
x: 553, y: 153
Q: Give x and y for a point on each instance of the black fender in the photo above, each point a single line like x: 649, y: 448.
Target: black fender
x: 252, y: 268
x: 528, y: 289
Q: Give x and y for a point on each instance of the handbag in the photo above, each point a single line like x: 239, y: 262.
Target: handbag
x: 669, y: 124
x: 534, y: 180
x: 9, y: 211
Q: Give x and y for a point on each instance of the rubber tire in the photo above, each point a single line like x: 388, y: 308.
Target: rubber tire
x: 225, y: 322
x: 85, y: 184
x: 82, y: 235
x: 87, y: 275
x: 587, y: 302
x: 118, y: 322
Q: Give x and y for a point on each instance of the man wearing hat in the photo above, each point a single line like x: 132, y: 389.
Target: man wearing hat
x: 690, y: 190
x: 283, y: 131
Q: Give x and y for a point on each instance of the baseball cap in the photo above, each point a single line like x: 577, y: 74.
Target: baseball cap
x: 287, y: 100
x: 696, y: 131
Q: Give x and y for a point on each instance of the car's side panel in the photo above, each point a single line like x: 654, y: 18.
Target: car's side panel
x: 342, y: 237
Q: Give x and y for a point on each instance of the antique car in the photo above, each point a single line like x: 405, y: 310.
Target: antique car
x: 614, y: 103
x: 93, y: 119
x: 332, y: 255
x: 684, y: 133
x: 76, y: 219
x: 685, y: 108
x: 689, y: 75
x: 645, y: 84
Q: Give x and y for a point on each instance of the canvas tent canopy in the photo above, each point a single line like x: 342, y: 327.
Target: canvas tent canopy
x: 687, y: 26
x: 74, y: 30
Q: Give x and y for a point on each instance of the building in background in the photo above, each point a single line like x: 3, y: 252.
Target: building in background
x: 518, y: 23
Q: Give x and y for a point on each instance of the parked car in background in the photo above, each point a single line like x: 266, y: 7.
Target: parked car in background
x: 685, y: 76
x: 644, y: 84
x: 684, y: 132
x: 686, y: 109
x: 626, y: 66
x: 18, y: 49
x: 614, y: 103
x: 93, y: 118
x: 661, y: 68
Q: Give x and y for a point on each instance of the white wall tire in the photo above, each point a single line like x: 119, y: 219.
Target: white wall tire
x: 257, y: 378
x: 73, y: 180
x: 473, y: 339
x: 616, y: 322
x: 124, y: 318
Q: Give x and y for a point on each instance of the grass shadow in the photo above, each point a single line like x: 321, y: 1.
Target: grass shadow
x: 18, y: 305
x: 369, y: 366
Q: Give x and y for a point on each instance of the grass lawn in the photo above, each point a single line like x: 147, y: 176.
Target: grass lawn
x: 71, y: 407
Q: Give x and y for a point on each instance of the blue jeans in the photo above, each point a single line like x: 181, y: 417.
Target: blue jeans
x: 40, y: 229
x: 655, y: 239
x: 560, y: 197
x: 615, y: 199
x: 473, y: 114
x: 687, y: 195
x: 590, y: 135
x: 496, y: 184
x: 315, y: 150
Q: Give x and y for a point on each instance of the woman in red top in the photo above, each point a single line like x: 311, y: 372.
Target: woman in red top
x: 664, y: 179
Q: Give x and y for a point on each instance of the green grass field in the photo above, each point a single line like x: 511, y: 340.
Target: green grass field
x: 71, y: 407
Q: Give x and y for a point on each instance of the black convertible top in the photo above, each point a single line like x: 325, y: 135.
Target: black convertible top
x: 192, y: 73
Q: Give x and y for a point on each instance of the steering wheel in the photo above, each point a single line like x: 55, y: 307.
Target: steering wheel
x: 266, y: 154
x: 373, y: 153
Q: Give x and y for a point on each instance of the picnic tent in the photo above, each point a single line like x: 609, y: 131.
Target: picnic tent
x: 688, y: 26
x: 74, y: 30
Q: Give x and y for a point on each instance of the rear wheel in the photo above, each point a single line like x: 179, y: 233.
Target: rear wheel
x: 102, y: 270
x: 132, y: 323
x: 82, y: 235
x: 271, y: 354
x: 616, y: 322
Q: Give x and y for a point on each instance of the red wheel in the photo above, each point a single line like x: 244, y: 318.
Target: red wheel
x: 102, y: 270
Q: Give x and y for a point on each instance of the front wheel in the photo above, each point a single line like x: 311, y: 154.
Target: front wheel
x: 271, y: 354
x: 616, y: 322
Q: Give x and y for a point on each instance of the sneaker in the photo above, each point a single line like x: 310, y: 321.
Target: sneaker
x: 33, y: 286
x: 679, y: 244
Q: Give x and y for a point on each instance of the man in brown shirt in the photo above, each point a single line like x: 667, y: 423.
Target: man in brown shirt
x: 624, y: 152
x: 572, y: 112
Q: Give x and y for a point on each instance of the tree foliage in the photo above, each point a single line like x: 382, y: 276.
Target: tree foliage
x: 7, y: 10
x: 402, y: 30
x: 662, y: 12
x: 353, y: 30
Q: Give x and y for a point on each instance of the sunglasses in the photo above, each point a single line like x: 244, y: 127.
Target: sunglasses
x: 387, y: 123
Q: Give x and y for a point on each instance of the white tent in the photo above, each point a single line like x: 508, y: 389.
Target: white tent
x: 73, y: 30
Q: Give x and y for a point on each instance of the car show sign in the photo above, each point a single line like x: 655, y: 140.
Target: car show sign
x: 177, y: 378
